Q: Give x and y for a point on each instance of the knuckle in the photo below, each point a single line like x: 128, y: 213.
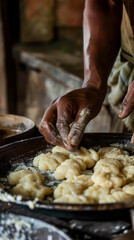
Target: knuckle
x: 60, y: 124
x: 62, y: 99
x: 45, y: 126
x: 78, y: 129
x: 54, y: 101
x: 42, y: 126
x: 65, y: 101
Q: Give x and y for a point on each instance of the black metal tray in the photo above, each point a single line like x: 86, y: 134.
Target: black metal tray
x: 25, y: 150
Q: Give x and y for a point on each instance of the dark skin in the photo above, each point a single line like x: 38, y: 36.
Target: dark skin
x: 65, y: 120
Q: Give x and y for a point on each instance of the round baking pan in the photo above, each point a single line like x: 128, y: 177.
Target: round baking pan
x: 24, y: 151
x: 14, y: 128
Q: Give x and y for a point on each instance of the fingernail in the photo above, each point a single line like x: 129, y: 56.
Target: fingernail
x: 41, y: 127
x: 120, y: 112
x: 73, y: 141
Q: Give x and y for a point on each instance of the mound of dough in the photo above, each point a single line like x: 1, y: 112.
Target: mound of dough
x: 90, y: 157
x: 109, y: 165
x: 112, y: 152
x: 113, y: 168
x: 69, y: 168
x: 60, y: 150
x: 15, y: 177
x: 29, y: 184
x: 107, y: 173
x: 65, y: 188
x: 129, y: 188
x: 72, y: 198
x: 128, y: 171
x: 120, y: 154
x: 49, y: 161
x: 83, y: 179
x: 96, y: 193
x: 116, y: 195
x: 72, y: 192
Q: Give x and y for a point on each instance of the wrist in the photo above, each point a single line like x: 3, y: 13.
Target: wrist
x: 94, y: 80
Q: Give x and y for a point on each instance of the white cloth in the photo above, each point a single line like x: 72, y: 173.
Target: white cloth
x: 122, y: 73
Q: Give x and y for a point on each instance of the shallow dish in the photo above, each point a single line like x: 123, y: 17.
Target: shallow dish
x: 13, y: 128
x: 23, y: 152
x: 18, y: 227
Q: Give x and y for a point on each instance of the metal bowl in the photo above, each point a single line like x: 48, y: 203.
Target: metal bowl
x: 15, y: 226
x: 14, y: 128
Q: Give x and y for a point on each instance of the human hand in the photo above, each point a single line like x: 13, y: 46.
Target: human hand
x: 65, y: 120
x: 128, y: 105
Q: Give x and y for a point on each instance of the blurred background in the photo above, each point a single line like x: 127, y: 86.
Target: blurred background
x: 41, y: 57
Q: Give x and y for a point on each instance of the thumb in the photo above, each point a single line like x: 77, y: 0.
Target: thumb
x: 78, y: 126
x: 64, y: 119
x: 128, y: 102
x: 132, y: 139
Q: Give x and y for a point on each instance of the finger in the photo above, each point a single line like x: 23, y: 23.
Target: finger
x: 64, y: 119
x: 47, y: 126
x: 55, y: 141
x: 61, y: 144
x: 128, y: 102
x: 78, y: 127
x: 132, y: 139
x: 48, y: 129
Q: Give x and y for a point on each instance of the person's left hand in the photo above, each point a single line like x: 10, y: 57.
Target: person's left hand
x: 128, y: 105
x: 65, y: 120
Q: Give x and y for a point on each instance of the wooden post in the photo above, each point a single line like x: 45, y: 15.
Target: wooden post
x: 9, y: 15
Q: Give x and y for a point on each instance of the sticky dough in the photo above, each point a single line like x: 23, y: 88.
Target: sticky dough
x: 28, y: 184
x: 50, y: 161
x: 112, y: 179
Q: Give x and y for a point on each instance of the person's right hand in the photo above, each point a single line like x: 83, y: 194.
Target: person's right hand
x: 65, y: 120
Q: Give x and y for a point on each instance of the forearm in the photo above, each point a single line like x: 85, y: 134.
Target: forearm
x: 101, y: 29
